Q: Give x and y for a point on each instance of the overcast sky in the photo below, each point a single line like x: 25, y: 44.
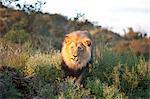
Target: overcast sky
x: 114, y: 14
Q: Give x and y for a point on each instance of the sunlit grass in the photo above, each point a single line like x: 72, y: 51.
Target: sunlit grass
x: 124, y: 75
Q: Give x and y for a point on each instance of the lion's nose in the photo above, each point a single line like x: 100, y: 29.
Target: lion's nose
x: 75, y: 55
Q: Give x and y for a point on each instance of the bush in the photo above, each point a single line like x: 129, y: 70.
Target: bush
x: 41, y: 61
x: 17, y: 36
x: 125, y: 72
x: 69, y: 90
x: 95, y: 87
x: 10, y: 79
x: 104, y: 64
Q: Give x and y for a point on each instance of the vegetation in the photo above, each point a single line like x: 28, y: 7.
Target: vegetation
x: 30, y: 59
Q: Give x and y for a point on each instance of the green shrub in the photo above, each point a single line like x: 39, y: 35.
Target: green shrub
x: 39, y: 87
x: 43, y: 61
x: 17, y: 36
x: 7, y: 78
x: 95, y: 87
x: 126, y: 71
x: 42, y: 43
x: 103, y: 90
x: 132, y: 79
x: 70, y: 90
x: 111, y: 92
x: 11, y: 91
x: 47, y: 73
x: 103, y: 65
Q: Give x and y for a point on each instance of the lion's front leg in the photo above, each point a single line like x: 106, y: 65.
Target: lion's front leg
x: 82, y: 75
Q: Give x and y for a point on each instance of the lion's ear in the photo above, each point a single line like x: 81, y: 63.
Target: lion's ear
x: 88, y: 42
x: 67, y: 39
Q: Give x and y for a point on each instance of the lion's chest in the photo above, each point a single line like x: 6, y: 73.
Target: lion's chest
x: 71, y: 72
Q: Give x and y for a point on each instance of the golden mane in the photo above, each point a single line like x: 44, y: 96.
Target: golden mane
x: 76, y: 50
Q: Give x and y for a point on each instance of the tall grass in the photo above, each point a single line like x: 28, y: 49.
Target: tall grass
x: 113, y: 75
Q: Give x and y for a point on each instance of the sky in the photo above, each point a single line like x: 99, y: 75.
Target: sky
x: 113, y: 14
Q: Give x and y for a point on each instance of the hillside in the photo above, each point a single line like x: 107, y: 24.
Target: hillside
x: 30, y: 59
x: 53, y: 26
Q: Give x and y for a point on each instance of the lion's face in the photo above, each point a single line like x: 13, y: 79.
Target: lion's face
x: 76, y: 50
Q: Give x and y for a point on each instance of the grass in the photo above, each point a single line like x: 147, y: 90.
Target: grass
x: 30, y: 60
x: 113, y: 76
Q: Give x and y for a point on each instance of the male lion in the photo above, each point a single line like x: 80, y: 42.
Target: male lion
x: 76, y: 54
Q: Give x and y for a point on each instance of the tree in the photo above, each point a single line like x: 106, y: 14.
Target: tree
x: 79, y: 16
x: 35, y: 7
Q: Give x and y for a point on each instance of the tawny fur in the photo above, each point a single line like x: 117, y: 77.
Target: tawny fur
x: 76, y: 50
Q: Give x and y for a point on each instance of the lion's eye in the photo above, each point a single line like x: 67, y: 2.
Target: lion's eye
x: 81, y: 48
